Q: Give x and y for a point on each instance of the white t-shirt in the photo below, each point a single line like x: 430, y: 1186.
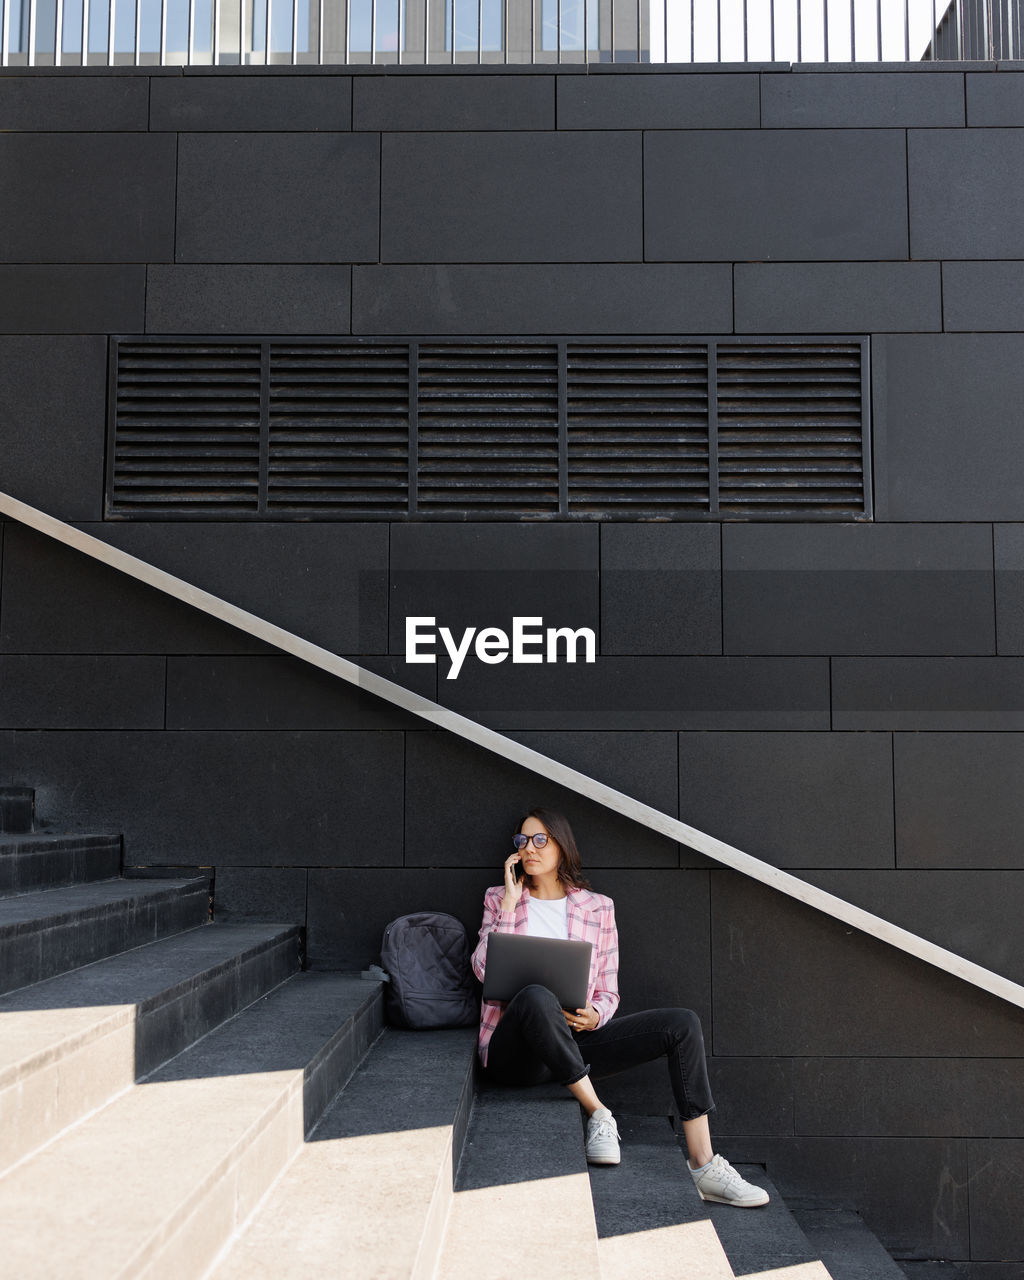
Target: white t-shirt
x: 547, y: 917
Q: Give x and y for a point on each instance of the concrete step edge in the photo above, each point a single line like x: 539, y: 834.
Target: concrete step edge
x: 188, y: 1151
x: 33, y: 869
x: 369, y: 1193
x: 15, y: 842
x: 524, y: 1150
x: 71, y: 1060
x: 56, y: 930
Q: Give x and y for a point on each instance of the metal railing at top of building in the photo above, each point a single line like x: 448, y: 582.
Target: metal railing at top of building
x: 38, y: 33
x: 553, y: 771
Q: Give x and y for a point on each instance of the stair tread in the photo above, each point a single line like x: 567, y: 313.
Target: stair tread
x: 765, y: 1241
x: 360, y: 1197
x: 59, y: 1013
x: 121, y: 1182
x: 848, y: 1246
x: 69, y: 900
x: 524, y: 1155
x: 650, y: 1220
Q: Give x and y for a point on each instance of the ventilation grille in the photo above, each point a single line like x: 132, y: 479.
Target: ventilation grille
x: 488, y: 430
x: 352, y: 429
x: 188, y: 429
x: 339, y: 430
x: 789, y: 429
x: 638, y: 430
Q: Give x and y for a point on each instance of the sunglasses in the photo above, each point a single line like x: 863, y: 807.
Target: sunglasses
x: 539, y: 840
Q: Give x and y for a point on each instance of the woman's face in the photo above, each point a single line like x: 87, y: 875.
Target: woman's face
x: 538, y: 862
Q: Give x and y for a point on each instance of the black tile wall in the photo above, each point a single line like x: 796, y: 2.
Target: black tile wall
x: 512, y: 197
x: 928, y: 693
x: 462, y: 804
x: 248, y: 299
x: 790, y: 980
x: 965, y: 193
x: 78, y: 692
x: 265, y: 799
x: 995, y: 1219
x: 870, y: 100
x: 1009, y: 556
x: 786, y: 194
x: 432, y: 103
x: 982, y: 296
x: 996, y: 101
x: 72, y: 298
x: 838, y: 297
x: 858, y: 589
x: 258, y: 104
x: 61, y: 207
x: 308, y: 197
x: 52, y: 409
x: 283, y: 693
x: 646, y: 693
x: 661, y: 589
x: 75, y: 105
x: 260, y: 893
x: 659, y: 102
x: 796, y: 800
x: 908, y: 1097
x: 555, y: 298
x: 959, y: 803
x: 931, y: 468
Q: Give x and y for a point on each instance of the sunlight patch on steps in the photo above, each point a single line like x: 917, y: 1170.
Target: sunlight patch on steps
x: 690, y: 1249
x: 799, y: 1271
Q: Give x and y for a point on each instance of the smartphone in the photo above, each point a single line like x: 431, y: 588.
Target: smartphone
x: 518, y: 871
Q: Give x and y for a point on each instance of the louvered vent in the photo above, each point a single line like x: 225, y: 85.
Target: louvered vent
x: 187, y: 435
x: 339, y: 430
x: 488, y: 429
x: 790, y: 429
x: 638, y: 429
x: 468, y: 428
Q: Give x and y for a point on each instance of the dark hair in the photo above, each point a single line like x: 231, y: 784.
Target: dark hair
x: 570, y: 865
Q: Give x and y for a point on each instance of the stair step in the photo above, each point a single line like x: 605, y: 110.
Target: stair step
x: 847, y: 1245
x: 17, y: 808
x: 73, y: 1042
x: 765, y: 1243
x: 368, y: 1193
x: 651, y: 1222
x: 523, y: 1163
x: 52, y: 931
x: 155, y: 1183
x: 34, y: 861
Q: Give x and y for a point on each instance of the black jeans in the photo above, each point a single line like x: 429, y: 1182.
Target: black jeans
x: 533, y: 1044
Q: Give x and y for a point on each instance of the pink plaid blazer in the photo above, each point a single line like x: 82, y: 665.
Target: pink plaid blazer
x: 591, y: 918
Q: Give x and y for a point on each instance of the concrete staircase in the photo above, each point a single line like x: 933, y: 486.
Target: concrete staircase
x: 178, y: 1099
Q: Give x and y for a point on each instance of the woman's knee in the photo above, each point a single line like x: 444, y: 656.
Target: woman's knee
x: 536, y: 999
x: 683, y: 1025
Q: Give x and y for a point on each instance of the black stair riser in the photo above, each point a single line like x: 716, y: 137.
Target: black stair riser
x: 33, y: 950
x: 170, y: 1023
x: 28, y: 870
x: 17, y: 808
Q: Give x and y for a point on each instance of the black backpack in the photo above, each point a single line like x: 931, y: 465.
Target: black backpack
x: 430, y: 982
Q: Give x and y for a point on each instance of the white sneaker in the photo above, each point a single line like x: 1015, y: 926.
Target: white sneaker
x: 602, y: 1138
x: 720, y: 1183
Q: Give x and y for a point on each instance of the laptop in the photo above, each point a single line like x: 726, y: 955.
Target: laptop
x: 515, y: 960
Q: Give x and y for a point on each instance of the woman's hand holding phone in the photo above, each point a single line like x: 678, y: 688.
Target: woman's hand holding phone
x: 513, y: 883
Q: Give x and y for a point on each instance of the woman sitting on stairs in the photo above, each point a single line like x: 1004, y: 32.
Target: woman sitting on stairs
x: 531, y: 1039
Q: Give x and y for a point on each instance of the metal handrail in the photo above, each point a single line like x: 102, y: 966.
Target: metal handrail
x: 484, y: 32
x: 514, y: 752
